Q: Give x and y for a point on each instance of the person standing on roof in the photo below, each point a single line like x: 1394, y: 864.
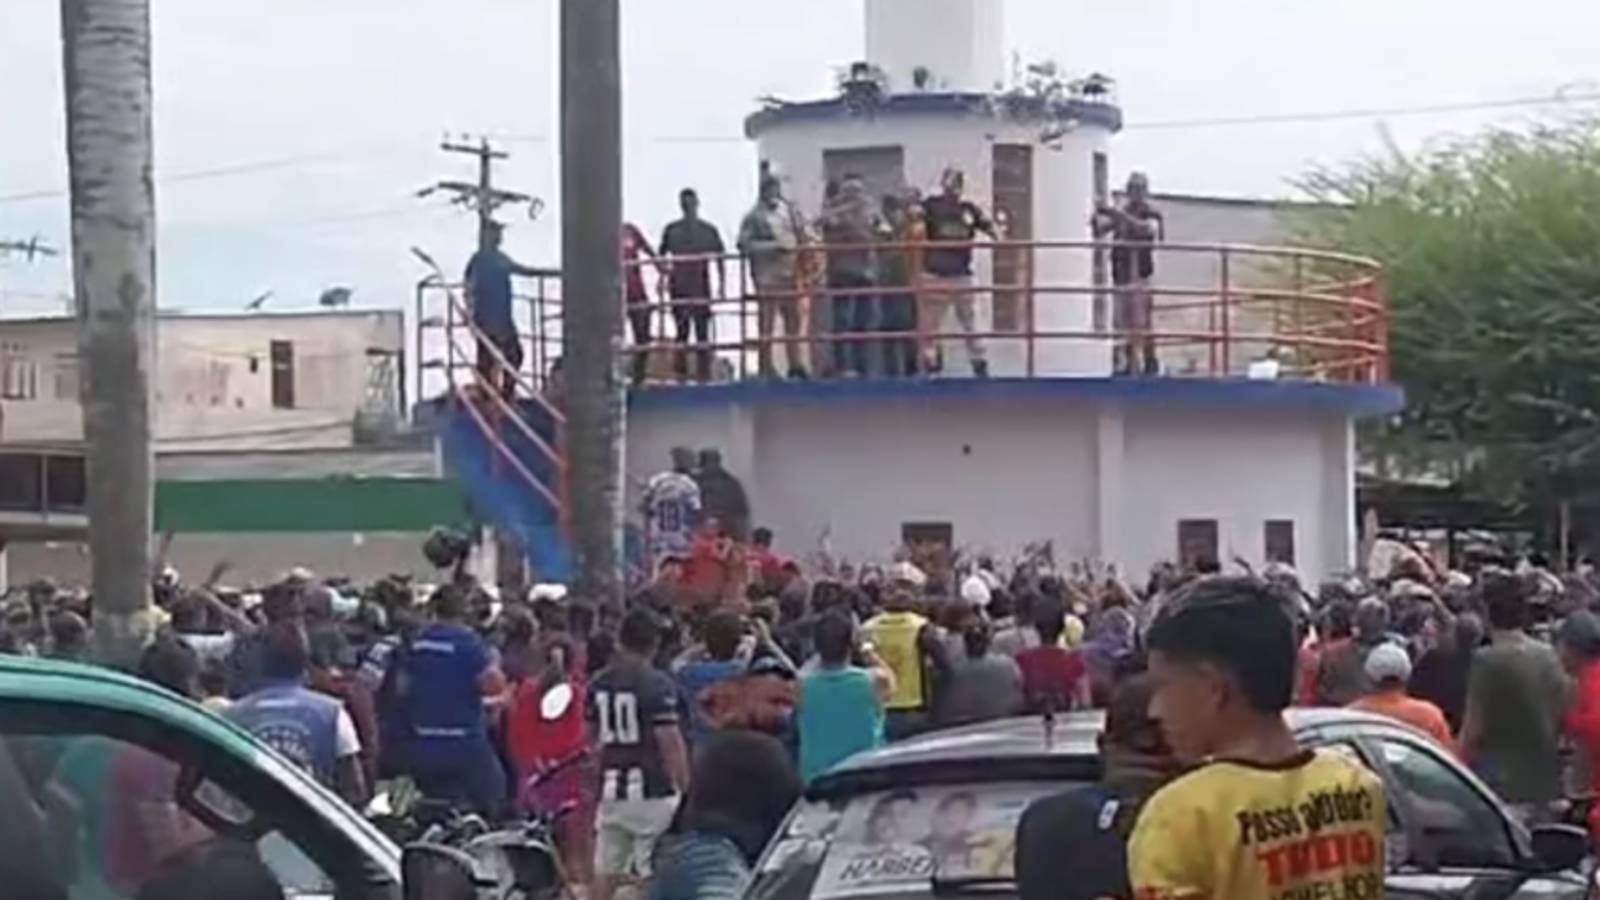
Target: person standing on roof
x: 952, y: 221
x: 635, y: 248
x: 691, y: 244
x: 770, y: 237
x: 1134, y: 226
x: 488, y: 281
x: 672, y: 505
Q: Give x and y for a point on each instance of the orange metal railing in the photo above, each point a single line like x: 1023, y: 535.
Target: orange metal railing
x: 1217, y: 311
x: 479, y: 386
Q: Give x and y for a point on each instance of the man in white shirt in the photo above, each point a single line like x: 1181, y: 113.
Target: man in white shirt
x: 769, y: 236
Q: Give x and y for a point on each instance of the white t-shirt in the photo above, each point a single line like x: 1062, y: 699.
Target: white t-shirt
x: 346, y: 741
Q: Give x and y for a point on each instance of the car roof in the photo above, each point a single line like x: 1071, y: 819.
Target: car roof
x: 41, y: 680
x: 1020, y: 748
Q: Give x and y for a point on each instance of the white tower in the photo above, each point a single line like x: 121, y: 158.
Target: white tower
x: 955, y: 45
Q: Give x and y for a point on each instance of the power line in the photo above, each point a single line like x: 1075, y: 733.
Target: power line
x: 1335, y: 115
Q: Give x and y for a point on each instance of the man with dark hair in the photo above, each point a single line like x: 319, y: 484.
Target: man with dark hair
x: 446, y: 670
x: 840, y: 709
x: 280, y: 602
x: 1095, y: 820
x: 672, y: 505
x: 769, y: 237
x: 698, y: 679
x: 1516, y: 694
x: 1256, y: 807
x: 311, y: 729
x: 1135, y: 226
x: 1054, y: 679
x: 689, y: 244
x: 952, y: 222
x: 644, y: 765
x: 1341, y: 670
x: 488, y: 281
x: 849, y: 226
x: 722, y: 495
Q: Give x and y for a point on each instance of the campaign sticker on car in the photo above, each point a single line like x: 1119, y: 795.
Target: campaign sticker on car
x: 887, y: 841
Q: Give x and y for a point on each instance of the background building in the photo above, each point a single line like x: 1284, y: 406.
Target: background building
x: 280, y: 440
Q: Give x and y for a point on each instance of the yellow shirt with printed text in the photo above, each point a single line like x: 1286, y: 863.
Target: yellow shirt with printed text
x: 1310, y: 829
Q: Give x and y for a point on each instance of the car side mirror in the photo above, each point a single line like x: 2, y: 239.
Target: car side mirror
x: 1559, y: 847
x: 434, y: 872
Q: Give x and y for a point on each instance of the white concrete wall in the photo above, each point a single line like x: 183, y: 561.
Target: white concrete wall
x: 1099, y: 477
x: 214, y: 379
x: 960, y: 42
x: 1063, y: 201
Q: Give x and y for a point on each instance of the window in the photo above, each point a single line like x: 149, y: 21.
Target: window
x: 19, y: 375
x: 1197, y: 543
x: 881, y: 169
x: 282, y: 353
x: 66, y: 377
x: 1279, y: 536
x: 1461, y: 826
x: 121, y: 795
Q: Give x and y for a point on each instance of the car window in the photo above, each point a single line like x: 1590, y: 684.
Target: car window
x: 1461, y: 825
x: 897, y: 842
x: 117, y: 803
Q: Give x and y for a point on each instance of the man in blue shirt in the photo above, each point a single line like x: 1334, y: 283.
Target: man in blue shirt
x: 311, y: 729
x: 488, y: 283
x: 447, y: 671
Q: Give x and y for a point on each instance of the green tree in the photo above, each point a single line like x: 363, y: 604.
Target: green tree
x: 1491, y: 248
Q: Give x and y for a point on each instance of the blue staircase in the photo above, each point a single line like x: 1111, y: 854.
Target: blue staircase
x: 497, y: 490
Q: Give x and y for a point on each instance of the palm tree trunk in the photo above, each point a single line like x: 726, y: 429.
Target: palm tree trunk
x: 106, y: 54
x: 591, y: 268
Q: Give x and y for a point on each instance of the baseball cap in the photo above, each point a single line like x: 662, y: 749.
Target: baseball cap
x: 907, y: 573
x: 1388, y: 662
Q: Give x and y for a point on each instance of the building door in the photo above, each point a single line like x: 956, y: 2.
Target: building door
x: 1013, y: 205
x: 883, y: 171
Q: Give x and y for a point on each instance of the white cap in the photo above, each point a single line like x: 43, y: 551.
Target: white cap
x: 975, y: 591
x: 907, y: 573
x: 1388, y: 662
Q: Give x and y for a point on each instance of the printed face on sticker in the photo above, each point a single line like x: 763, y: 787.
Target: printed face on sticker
x: 1185, y: 699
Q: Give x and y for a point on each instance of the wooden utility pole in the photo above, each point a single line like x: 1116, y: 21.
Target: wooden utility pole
x: 106, y: 60
x: 482, y: 197
x: 591, y: 264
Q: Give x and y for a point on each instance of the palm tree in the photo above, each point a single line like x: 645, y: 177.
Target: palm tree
x: 106, y: 59
x: 591, y: 183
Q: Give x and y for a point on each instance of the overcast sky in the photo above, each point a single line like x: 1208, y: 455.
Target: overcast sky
x: 327, y: 113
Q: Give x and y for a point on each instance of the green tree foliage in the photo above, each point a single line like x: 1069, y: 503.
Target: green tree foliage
x: 1492, y: 253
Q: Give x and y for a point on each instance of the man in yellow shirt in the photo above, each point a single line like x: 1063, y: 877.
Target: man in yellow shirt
x: 1258, y: 817
x: 910, y: 647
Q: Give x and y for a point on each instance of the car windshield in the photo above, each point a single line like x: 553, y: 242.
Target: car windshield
x: 898, y: 842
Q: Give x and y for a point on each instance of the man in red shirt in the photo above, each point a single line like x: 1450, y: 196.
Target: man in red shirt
x: 766, y: 567
x: 1579, y: 642
x: 1054, y: 679
x: 635, y: 247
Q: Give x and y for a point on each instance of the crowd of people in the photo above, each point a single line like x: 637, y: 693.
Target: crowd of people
x: 889, y: 269
x: 698, y: 716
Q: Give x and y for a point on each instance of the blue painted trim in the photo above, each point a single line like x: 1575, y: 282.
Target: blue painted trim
x: 1104, y: 115
x: 1355, y: 400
